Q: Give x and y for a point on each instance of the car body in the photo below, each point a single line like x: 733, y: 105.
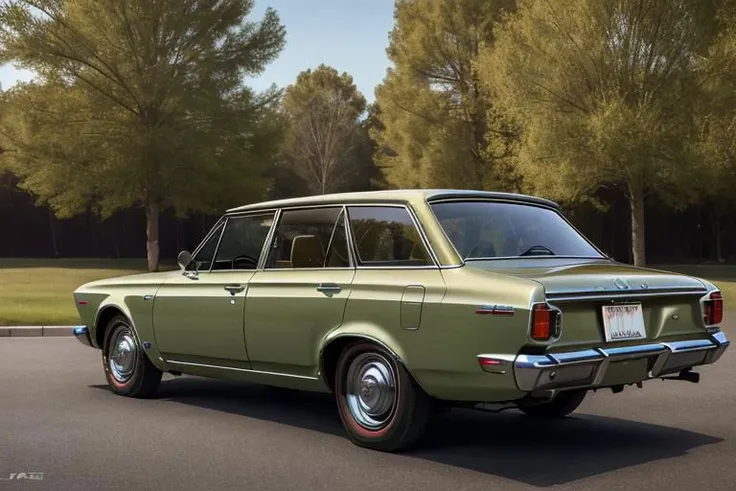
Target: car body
x: 458, y: 296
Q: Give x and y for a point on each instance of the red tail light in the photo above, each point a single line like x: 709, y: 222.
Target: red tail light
x: 713, y: 309
x: 545, y: 322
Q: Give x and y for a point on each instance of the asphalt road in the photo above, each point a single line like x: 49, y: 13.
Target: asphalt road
x: 57, y: 417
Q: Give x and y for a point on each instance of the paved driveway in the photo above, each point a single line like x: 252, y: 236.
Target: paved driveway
x: 57, y: 417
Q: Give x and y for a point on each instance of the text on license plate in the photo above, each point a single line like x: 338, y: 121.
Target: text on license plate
x: 622, y: 322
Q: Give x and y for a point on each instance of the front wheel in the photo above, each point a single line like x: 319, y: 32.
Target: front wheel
x: 128, y: 370
x: 380, y: 404
x: 563, y: 404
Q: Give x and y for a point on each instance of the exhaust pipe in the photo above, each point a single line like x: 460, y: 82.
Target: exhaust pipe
x: 687, y: 375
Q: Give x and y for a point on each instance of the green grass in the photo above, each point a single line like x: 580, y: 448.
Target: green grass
x: 39, y: 291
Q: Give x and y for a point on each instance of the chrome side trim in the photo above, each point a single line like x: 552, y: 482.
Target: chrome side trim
x: 493, y: 309
x: 588, y: 368
x: 624, y: 295
x: 82, y: 334
x: 235, y: 369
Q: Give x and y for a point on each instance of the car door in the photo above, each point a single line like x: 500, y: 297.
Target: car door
x: 198, y: 315
x: 301, y: 292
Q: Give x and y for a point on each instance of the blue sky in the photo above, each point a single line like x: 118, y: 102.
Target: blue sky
x: 350, y: 35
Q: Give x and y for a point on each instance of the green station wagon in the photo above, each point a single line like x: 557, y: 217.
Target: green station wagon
x: 402, y: 303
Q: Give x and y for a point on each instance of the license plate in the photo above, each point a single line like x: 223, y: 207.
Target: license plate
x: 623, y: 322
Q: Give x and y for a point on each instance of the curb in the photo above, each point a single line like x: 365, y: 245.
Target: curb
x: 35, y: 331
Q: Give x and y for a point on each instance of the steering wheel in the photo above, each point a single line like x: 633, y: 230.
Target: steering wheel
x: 483, y: 249
x: 250, y: 262
x: 538, y: 250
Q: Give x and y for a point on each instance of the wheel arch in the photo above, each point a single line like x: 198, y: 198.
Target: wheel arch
x: 104, y: 316
x: 108, y: 311
x: 336, y: 343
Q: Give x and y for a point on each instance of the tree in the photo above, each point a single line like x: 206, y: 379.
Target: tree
x: 603, y: 93
x: 140, y: 102
x: 438, y: 127
x: 322, y: 109
x: 715, y: 129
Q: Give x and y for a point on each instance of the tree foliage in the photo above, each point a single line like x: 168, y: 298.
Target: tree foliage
x: 603, y: 93
x: 325, y: 144
x: 139, y: 102
x: 438, y: 127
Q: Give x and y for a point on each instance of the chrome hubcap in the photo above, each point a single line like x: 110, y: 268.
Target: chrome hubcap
x: 123, y: 355
x: 371, y: 390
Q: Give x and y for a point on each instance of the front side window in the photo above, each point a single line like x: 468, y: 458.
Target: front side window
x: 309, y: 238
x: 204, y: 256
x: 386, y: 236
x: 487, y: 229
x: 242, y: 241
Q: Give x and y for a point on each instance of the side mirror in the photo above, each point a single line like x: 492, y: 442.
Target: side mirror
x: 184, y: 259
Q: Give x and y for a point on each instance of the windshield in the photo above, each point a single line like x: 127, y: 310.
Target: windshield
x: 487, y: 229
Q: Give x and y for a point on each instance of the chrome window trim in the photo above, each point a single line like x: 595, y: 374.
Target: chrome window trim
x: 209, y: 234
x: 269, y: 240
x: 349, y: 238
x: 236, y: 369
x: 219, y: 241
x: 227, y: 220
x: 423, y: 234
x: 344, y: 216
x: 393, y: 203
x: 444, y: 233
x: 521, y: 203
x: 415, y: 222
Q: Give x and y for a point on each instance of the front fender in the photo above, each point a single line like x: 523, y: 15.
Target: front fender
x: 136, y: 305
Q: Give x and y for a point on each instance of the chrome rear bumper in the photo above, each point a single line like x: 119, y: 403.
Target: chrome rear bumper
x: 588, y: 368
x: 82, y: 334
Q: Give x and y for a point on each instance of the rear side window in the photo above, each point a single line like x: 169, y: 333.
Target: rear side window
x: 309, y: 238
x: 386, y: 236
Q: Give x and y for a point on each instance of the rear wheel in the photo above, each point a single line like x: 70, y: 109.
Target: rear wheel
x: 563, y: 404
x: 380, y: 404
x: 128, y: 370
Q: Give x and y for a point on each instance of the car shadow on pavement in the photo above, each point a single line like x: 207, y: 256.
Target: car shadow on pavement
x: 509, y: 444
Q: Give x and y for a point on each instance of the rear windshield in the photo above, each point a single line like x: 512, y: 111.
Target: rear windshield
x: 486, y: 229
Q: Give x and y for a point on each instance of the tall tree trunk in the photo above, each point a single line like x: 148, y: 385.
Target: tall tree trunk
x: 152, y: 212
x: 716, y: 233
x: 53, y: 234
x: 636, y: 205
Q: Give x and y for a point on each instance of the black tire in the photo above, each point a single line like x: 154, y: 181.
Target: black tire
x: 565, y: 403
x: 134, y: 375
x: 402, y: 422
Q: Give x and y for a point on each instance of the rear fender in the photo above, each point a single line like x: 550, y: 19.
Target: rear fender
x: 360, y: 331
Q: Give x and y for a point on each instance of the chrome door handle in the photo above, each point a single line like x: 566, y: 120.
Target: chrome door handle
x: 233, y: 289
x: 329, y: 288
